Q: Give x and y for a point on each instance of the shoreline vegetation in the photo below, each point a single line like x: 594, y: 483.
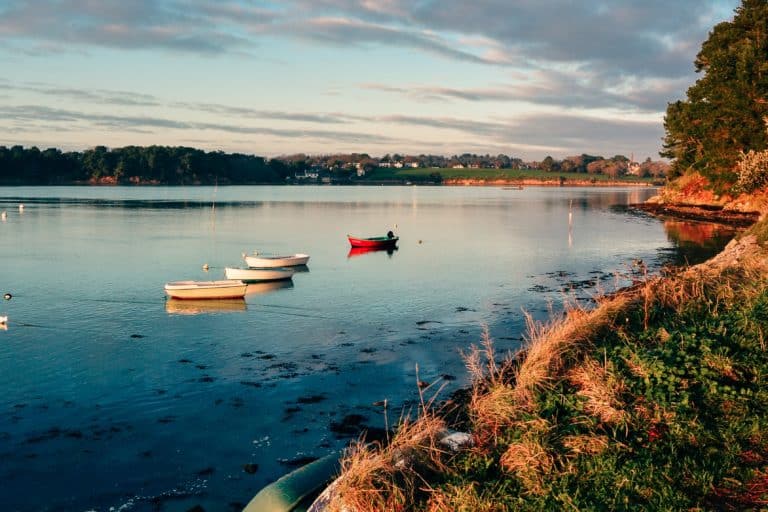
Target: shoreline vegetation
x: 654, y: 399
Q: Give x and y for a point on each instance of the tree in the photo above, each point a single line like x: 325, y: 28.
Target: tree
x: 725, y: 110
x: 549, y: 164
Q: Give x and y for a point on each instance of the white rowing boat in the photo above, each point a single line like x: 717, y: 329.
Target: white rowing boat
x: 258, y: 274
x: 224, y: 289
x: 263, y: 261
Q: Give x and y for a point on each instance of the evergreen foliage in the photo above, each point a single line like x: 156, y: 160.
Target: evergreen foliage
x: 725, y: 111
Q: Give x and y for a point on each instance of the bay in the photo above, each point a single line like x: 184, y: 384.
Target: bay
x: 114, y: 398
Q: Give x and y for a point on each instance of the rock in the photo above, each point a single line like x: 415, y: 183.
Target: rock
x: 456, y: 441
x: 250, y: 468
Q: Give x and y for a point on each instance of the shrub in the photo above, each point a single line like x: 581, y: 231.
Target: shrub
x: 752, y: 170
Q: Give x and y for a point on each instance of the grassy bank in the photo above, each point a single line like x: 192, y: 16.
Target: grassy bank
x: 654, y: 399
x: 493, y: 175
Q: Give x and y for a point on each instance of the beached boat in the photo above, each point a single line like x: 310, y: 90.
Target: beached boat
x: 264, y: 261
x: 381, y: 242
x: 258, y: 274
x: 224, y: 289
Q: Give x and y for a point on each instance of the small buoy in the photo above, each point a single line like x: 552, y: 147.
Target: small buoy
x: 3, y: 215
x: 205, y: 267
x: 21, y: 207
x: 7, y: 296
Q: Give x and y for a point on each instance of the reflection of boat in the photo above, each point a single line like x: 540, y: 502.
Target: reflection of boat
x: 380, y: 242
x: 258, y: 274
x: 268, y: 286
x: 263, y: 261
x: 300, y: 269
x: 224, y: 289
x: 359, y: 251
x: 202, y: 306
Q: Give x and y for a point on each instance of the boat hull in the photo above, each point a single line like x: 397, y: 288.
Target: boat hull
x: 380, y: 242
x: 226, y: 289
x: 276, y: 261
x: 258, y: 274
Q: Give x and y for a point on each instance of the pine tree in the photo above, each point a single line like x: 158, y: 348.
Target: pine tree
x: 726, y: 109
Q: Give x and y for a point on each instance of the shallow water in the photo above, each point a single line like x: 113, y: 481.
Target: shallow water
x: 112, y: 398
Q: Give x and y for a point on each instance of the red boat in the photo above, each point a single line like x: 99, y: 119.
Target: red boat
x: 376, y: 242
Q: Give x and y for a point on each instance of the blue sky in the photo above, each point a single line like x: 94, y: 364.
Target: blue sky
x: 528, y: 78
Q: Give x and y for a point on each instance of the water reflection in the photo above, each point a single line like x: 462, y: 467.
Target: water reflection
x: 699, y: 240
x: 359, y: 251
x: 200, y: 307
x: 265, y: 287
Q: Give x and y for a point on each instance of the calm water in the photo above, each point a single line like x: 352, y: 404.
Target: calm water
x: 112, y: 398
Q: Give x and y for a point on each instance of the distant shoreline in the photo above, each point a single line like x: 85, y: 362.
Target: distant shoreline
x: 549, y: 183
x: 524, y: 182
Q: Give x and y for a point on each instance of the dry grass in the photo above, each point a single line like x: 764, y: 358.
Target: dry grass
x: 723, y: 365
x: 601, y: 389
x: 586, y: 444
x: 376, y: 477
x: 637, y: 366
x: 465, y: 498
x: 491, y: 405
x: 548, y: 344
x: 530, y: 462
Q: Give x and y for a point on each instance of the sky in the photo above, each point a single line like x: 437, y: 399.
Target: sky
x: 527, y: 78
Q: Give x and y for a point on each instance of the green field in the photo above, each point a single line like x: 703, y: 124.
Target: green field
x: 426, y: 174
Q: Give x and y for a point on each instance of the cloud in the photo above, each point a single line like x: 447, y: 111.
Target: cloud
x: 41, y: 114
x: 552, y: 88
x: 251, y: 113
x: 341, y: 31
x: 138, y: 24
x: 610, y: 41
x: 559, y: 135
x: 565, y: 134
x: 133, y: 99
x: 636, y: 37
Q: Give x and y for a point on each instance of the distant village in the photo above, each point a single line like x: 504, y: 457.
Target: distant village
x: 326, y: 167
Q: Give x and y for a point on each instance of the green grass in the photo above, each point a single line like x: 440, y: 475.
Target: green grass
x: 422, y: 174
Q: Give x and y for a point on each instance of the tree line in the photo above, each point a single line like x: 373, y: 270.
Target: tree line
x: 135, y: 165
x: 189, y: 166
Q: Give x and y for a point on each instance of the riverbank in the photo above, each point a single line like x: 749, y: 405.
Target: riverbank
x: 691, y: 197
x: 653, y: 399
